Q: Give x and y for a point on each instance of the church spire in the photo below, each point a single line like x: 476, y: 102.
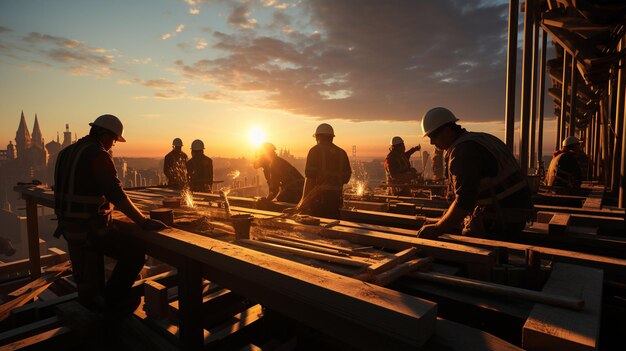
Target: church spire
x: 22, y: 136
x: 37, y: 139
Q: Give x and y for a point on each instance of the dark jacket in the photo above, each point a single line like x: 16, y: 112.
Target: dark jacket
x: 283, y: 180
x: 175, y: 168
x: 200, y: 170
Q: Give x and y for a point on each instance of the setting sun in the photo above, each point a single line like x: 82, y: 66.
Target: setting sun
x: 256, y: 136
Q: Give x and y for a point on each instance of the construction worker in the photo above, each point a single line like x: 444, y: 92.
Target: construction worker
x: 327, y: 170
x: 86, y: 187
x: 175, y: 165
x: 564, y: 169
x: 488, y: 185
x: 284, y: 182
x: 200, y: 168
x: 398, y: 167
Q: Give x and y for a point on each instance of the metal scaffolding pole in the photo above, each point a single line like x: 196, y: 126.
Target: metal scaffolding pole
x: 525, y: 113
x: 533, y: 102
x: 542, y: 93
x: 509, y: 108
x: 563, y: 117
x: 573, y: 98
x: 619, y: 123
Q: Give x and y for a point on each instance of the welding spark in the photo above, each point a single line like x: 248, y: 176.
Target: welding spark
x: 187, y: 197
x: 225, y: 190
x: 234, y: 174
x: 360, y: 188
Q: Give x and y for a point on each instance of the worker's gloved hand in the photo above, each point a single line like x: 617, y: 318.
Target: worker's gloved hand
x: 153, y: 224
x: 429, y: 231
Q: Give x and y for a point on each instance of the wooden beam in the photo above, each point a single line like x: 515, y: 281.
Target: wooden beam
x: 395, y: 273
x: 554, y: 328
x: 455, y: 336
x: 385, y: 265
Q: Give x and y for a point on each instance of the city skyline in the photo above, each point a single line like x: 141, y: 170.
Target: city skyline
x: 234, y: 73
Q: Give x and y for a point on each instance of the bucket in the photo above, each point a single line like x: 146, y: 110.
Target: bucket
x: 241, y: 224
x: 533, y: 183
x: 165, y: 215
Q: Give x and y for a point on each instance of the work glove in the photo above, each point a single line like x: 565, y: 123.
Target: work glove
x: 429, y: 231
x: 153, y: 224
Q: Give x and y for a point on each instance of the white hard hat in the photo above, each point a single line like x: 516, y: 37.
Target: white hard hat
x: 197, y: 145
x: 396, y: 140
x: 436, y: 118
x: 571, y: 140
x: 177, y: 142
x: 112, y: 124
x: 324, y: 129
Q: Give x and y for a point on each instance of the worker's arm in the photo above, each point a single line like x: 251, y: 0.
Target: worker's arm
x: 412, y: 150
x: 127, y: 207
x: 450, y: 222
x: 305, y: 201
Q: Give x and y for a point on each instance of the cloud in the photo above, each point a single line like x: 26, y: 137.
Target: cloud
x: 77, y: 57
x: 165, y: 36
x: 200, y: 43
x: 180, y: 28
x: 194, y: 11
x: 368, y: 60
x: 4, y: 29
x: 240, y: 17
x: 163, y: 88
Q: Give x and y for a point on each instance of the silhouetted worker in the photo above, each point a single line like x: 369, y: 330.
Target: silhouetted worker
x: 564, y: 169
x: 86, y: 188
x: 438, y: 164
x: 200, y: 168
x: 284, y: 181
x: 175, y: 165
x: 327, y: 170
x: 487, y: 182
x: 398, y: 167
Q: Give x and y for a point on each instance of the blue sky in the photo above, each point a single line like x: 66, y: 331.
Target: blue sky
x: 215, y: 70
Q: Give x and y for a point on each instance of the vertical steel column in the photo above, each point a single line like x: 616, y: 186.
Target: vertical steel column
x: 525, y: 113
x: 573, y: 98
x: 542, y: 93
x: 619, y: 122
x: 511, y: 68
x: 565, y: 81
x: 533, y: 102
x: 32, y: 230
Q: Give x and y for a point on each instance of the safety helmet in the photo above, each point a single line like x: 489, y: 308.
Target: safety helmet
x: 112, y: 124
x: 436, y: 118
x: 177, y: 142
x: 571, y: 140
x: 267, y: 147
x: 396, y: 141
x: 324, y: 129
x: 197, y: 145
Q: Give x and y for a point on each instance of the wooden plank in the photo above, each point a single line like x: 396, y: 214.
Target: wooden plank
x: 54, y: 339
x: 614, y: 268
x: 397, y: 272
x: 455, y: 336
x: 338, y: 306
x: 558, y: 223
x: 241, y: 320
x: 155, y: 299
x: 32, y: 229
x: 190, y: 299
x: 385, y: 265
x: 12, y: 268
x: 28, y: 330
x: 593, y: 203
x: 554, y: 328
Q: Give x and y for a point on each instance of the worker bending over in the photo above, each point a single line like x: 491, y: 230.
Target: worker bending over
x: 398, y: 167
x: 488, y: 185
x: 200, y: 168
x: 284, y: 181
x: 175, y: 165
x: 564, y: 169
x: 86, y: 187
x: 327, y: 170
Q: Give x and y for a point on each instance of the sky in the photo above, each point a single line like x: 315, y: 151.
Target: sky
x: 235, y: 73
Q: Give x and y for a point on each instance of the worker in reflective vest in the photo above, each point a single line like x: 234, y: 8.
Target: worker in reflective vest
x: 284, y: 182
x: 491, y: 195
x: 564, y: 169
x: 175, y: 166
x: 86, y: 188
x: 398, y: 168
x: 327, y: 170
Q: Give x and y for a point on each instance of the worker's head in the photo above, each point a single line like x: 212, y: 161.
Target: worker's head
x: 570, y: 143
x: 197, y: 147
x: 397, y: 143
x: 108, y: 129
x: 324, y: 132
x: 177, y: 144
x: 265, y: 153
x: 439, y: 124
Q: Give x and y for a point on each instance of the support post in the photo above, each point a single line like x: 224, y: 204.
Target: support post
x: 533, y: 102
x: 32, y: 229
x: 542, y: 93
x: 190, y: 303
x: 511, y: 59
x: 619, y: 123
x: 573, y: 98
x: 565, y: 80
x: 526, y: 113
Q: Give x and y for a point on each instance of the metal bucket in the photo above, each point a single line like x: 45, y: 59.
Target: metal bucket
x: 165, y: 215
x: 171, y: 202
x: 241, y: 224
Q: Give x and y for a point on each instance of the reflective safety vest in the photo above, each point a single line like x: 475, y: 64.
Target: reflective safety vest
x: 508, y: 179
x: 70, y: 205
x: 557, y: 174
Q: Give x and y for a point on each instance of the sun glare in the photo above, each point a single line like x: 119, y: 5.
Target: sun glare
x: 256, y: 136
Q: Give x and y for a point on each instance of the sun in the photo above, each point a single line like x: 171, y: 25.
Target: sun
x: 256, y: 136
